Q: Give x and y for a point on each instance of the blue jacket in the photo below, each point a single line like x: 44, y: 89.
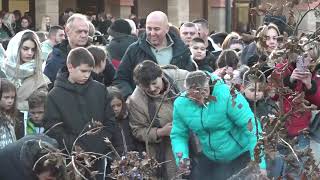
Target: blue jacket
x: 56, y: 60
x: 221, y: 125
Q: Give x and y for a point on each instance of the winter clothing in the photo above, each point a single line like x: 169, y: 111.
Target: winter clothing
x: 24, y: 76
x: 33, y: 128
x: 17, y: 159
x: 57, y: 59
x: 221, y: 126
x: 46, y: 48
x: 5, y: 32
x: 204, y: 64
x: 76, y: 106
x: 7, y: 132
x: 249, y: 54
x: 315, y: 98
x: 118, y: 46
x: 142, y: 107
x: 106, y: 77
x: 140, y: 51
x: 297, y: 121
x: 119, y: 26
x: 123, y: 133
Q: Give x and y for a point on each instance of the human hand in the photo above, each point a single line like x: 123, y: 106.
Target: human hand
x: 165, y: 130
x: 303, y: 76
x: 263, y: 172
x: 221, y: 72
x: 184, y: 165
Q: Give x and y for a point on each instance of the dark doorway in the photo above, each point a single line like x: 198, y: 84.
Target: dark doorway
x: 90, y: 7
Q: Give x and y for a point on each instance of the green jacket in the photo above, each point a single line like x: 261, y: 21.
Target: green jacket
x: 221, y: 125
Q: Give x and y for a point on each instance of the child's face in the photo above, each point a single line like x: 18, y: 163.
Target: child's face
x: 37, y: 114
x: 198, y: 51
x: 249, y: 92
x: 7, y: 100
x: 79, y: 74
x: 116, y: 105
x: 99, y: 69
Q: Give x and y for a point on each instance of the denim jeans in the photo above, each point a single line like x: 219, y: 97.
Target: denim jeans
x: 206, y: 169
x: 278, y: 166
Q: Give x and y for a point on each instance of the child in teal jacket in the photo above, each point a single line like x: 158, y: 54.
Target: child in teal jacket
x: 223, y: 122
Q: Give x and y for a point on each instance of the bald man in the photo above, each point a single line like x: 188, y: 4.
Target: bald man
x: 157, y: 44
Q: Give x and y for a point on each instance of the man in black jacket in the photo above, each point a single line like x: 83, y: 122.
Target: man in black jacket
x: 157, y: 44
x: 80, y: 104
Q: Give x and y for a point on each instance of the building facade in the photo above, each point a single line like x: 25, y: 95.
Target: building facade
x: 178, y: 11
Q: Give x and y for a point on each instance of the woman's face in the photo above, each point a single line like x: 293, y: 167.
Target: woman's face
x: 271, y: 42
x: 116, y: 105
x: 27, y: 51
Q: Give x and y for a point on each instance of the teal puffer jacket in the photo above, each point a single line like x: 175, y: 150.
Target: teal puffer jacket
x: 221, y: 125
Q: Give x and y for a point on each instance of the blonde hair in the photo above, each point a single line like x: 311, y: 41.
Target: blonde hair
x: 262, y: 36
x: 228, y: 40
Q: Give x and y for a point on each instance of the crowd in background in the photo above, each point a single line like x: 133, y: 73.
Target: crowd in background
x: 145, y: 81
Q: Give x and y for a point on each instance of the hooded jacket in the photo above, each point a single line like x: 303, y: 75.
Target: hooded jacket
x: 118, y: 46
x: 27, y: 77
x: 18, y: 158
x: 76, y: 106
x: 140, y: 51
x: 57, y: 59
x: 221, y: 126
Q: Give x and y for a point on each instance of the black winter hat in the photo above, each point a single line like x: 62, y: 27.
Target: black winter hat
x: 121, y: 26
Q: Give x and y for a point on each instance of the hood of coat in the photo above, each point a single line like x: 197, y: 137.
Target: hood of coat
x: 63, y: 82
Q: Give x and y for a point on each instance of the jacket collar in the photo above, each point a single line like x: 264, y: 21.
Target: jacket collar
x: 178, y: 46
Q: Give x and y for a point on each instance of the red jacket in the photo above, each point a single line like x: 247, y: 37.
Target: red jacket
x: 297, y: 121
x: 315, y: 98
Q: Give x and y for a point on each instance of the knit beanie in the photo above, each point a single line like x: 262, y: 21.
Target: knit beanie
x: 120, y: 26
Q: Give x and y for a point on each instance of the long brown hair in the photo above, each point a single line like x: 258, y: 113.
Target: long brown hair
x: 115, y: 93
x: 7, y: 86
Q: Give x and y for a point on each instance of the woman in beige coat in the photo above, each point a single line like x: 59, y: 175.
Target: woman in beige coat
x: 153, y: 84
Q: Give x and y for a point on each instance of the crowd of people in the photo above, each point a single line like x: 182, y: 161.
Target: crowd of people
x: 150, y: 85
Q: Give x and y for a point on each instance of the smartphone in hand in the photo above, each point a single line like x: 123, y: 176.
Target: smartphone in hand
x: 302, y: 63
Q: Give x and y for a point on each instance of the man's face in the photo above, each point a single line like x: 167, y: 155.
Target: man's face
x: 156, y: 31
x: 187, y: 34
x: 60, y: 36
x: 79, y: 74
x: 78, y: 33
x: 203, y: 31
x: 37, y: 114
x: 198, y: 51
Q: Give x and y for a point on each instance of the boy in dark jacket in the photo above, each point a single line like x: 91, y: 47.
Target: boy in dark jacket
x: 80, y: 104
x: 198, y: 54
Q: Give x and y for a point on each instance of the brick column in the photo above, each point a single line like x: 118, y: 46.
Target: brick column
x: 178, y: 11
x: 46, y: 7
x: 217, y: 15
x: 125, y: 8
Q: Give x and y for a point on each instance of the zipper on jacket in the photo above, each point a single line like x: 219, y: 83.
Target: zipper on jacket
x: 214, y: 152
x: 235, y: 140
